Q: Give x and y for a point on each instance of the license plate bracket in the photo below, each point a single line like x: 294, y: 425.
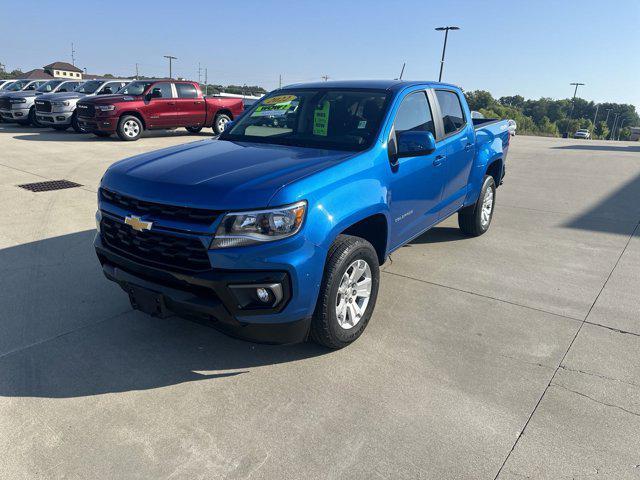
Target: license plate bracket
x: 148, y: 301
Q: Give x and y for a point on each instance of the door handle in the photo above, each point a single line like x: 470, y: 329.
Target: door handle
x: 438, y: 160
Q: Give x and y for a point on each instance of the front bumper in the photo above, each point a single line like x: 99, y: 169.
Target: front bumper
x: 54, y: 118
x: 15, y: 114
x: 98, y: 124
x: 207, y: 297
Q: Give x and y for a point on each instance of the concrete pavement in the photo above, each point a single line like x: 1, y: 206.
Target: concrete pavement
x: 513, y: 355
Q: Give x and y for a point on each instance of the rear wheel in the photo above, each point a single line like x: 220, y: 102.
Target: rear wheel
x: 130, y: 128
x: 348, y: 292
x: 220, y: 122
x: 75, y: 124
x: 193, y: 129
x: 476, y: 219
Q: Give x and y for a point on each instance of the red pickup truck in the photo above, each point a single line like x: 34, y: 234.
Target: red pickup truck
x: 156, y: 104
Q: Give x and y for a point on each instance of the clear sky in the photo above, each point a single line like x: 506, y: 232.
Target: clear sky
x: 530, y: 47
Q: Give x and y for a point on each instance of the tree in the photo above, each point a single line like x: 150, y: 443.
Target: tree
x: 479, y: 99
x: 624, y: 133
x: 601, y: 130
x: 516, y: 101
x: 548, y: 128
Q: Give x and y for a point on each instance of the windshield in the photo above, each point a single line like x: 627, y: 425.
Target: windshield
x: 6, y: 85
x: 135, y: 88
x: 317, y: 118
x: 89, y: 87
x: 48, y: 86
x: 18, y: 85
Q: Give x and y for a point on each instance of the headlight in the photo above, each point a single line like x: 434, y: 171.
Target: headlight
x: 60, y: 104
x: 18, y: 100
x: 106, y: 108
x: 239, y: 229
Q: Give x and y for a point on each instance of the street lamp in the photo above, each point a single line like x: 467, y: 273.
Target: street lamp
x: 573, y: 103
x: 444, y: 47
x: 620, y: 127
x: 613, y: 129
x: 170, y: 60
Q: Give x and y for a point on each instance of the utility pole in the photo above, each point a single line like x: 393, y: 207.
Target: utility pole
x: 73, y: 55
x: 137, y: 74
x: 402, y: 71
x: 594, y: 117
x: 206, y: 80
x: 613, y: 129
x: 325, y: 77
x: 280, y: 81
x: 606, y: 120
x: 620, y: 127
x: 444, y: 47
x: 199, y: 73
x: 171, y: 58
x: 573, y: 103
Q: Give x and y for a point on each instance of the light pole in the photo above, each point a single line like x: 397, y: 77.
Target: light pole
x: 171, y: 58
x: 444, y: 47
x: 620, y: 127
x: 608, y: 112
x: 613, y: 129
x: 594, y: 118
x: 573, y: 103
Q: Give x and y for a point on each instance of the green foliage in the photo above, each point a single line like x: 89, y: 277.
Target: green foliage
x: 550, y: 117
x: 601, y: 130
x: 625, y: 133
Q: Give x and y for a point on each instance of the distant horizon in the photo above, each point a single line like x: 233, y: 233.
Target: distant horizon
x: 535, y: 50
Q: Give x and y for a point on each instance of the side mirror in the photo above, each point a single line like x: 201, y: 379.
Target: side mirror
x: 155, y: 93
x: 415, y: 143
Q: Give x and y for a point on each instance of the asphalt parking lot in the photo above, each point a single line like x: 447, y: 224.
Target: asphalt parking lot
x: 513, y: 355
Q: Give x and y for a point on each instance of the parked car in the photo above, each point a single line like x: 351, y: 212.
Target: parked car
x: 18, y: 85
x: 20, y: 107
x: 5, y: 83
x: 512, y: 127
x: 156, y: 104
x: 582, y: 133
x: 59, y: 111
x: 276, y: 230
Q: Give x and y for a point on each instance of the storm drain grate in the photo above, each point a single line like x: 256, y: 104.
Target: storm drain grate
x: 49, y: 185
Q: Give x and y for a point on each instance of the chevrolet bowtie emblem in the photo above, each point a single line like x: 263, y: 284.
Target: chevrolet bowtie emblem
x: 137, y: 223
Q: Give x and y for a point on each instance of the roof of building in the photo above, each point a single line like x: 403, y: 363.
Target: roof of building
x: 63, y: 66
x: 36, y: 74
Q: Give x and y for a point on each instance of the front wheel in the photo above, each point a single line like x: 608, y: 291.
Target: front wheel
x: 475, y: 220
x: 32, y: 118
x: 130, y: 128
x: 348, y: 292
x: 220, y: 122
x: 75, y: 124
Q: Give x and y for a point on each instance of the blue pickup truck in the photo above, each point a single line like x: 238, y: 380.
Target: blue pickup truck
x: 276, y: 230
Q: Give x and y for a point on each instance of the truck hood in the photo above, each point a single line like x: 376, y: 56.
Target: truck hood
x: 62, y: 96
x: 217, y: 174
x: 27, y: 94
x: 115, y: 98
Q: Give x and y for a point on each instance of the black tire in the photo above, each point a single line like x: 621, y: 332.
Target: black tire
x: 60, y: 128
x: 102, y: 134
x: 470, y: 219
x: 325, y: 327
x: 127, y: 129
x: 219, y: 122
x: 193, y: 129
x: 32, y: 118
x: 75, y: 124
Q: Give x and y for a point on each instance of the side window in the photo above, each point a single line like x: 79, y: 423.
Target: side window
x: 414, y: 114
x: 186, y: 90
x: 452, y: 115
x: 110, y: 88
x: 164, y: 88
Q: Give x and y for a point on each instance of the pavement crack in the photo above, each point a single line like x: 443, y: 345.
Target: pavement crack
x: 599, y: 376
x: 617, y: 330
x: 612, y: 405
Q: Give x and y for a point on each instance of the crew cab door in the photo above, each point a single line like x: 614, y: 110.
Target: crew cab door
x: 415, y: 182
x: 190, y: 107
x: 159, y: 109
x: 458, y: 144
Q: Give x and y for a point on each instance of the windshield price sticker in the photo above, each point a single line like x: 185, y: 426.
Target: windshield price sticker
x: 321, y: 119
x: 276, y: 106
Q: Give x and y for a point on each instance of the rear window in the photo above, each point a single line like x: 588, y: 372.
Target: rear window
x: 186, y: 90
x: 451, y: 110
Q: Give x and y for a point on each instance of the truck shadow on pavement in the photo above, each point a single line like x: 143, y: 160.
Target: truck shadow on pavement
x: 439, y: 235
x: 601, y: 148
x: 68, y: 332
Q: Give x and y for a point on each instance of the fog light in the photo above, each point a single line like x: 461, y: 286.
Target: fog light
x: 263, y: 295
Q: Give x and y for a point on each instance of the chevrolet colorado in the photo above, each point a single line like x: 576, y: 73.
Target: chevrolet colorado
x: 59, y: 111
x: 275, y: 231
x: 156, y: 104
x: 21, y: 107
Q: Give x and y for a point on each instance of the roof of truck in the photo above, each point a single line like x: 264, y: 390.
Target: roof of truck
x: 373, y: 84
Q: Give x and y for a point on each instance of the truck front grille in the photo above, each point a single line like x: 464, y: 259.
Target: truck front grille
x: 5, y: 104
x: 159, y: 211
x: 157, y: 249
x: 86, y: 110
x: 43, y: 106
